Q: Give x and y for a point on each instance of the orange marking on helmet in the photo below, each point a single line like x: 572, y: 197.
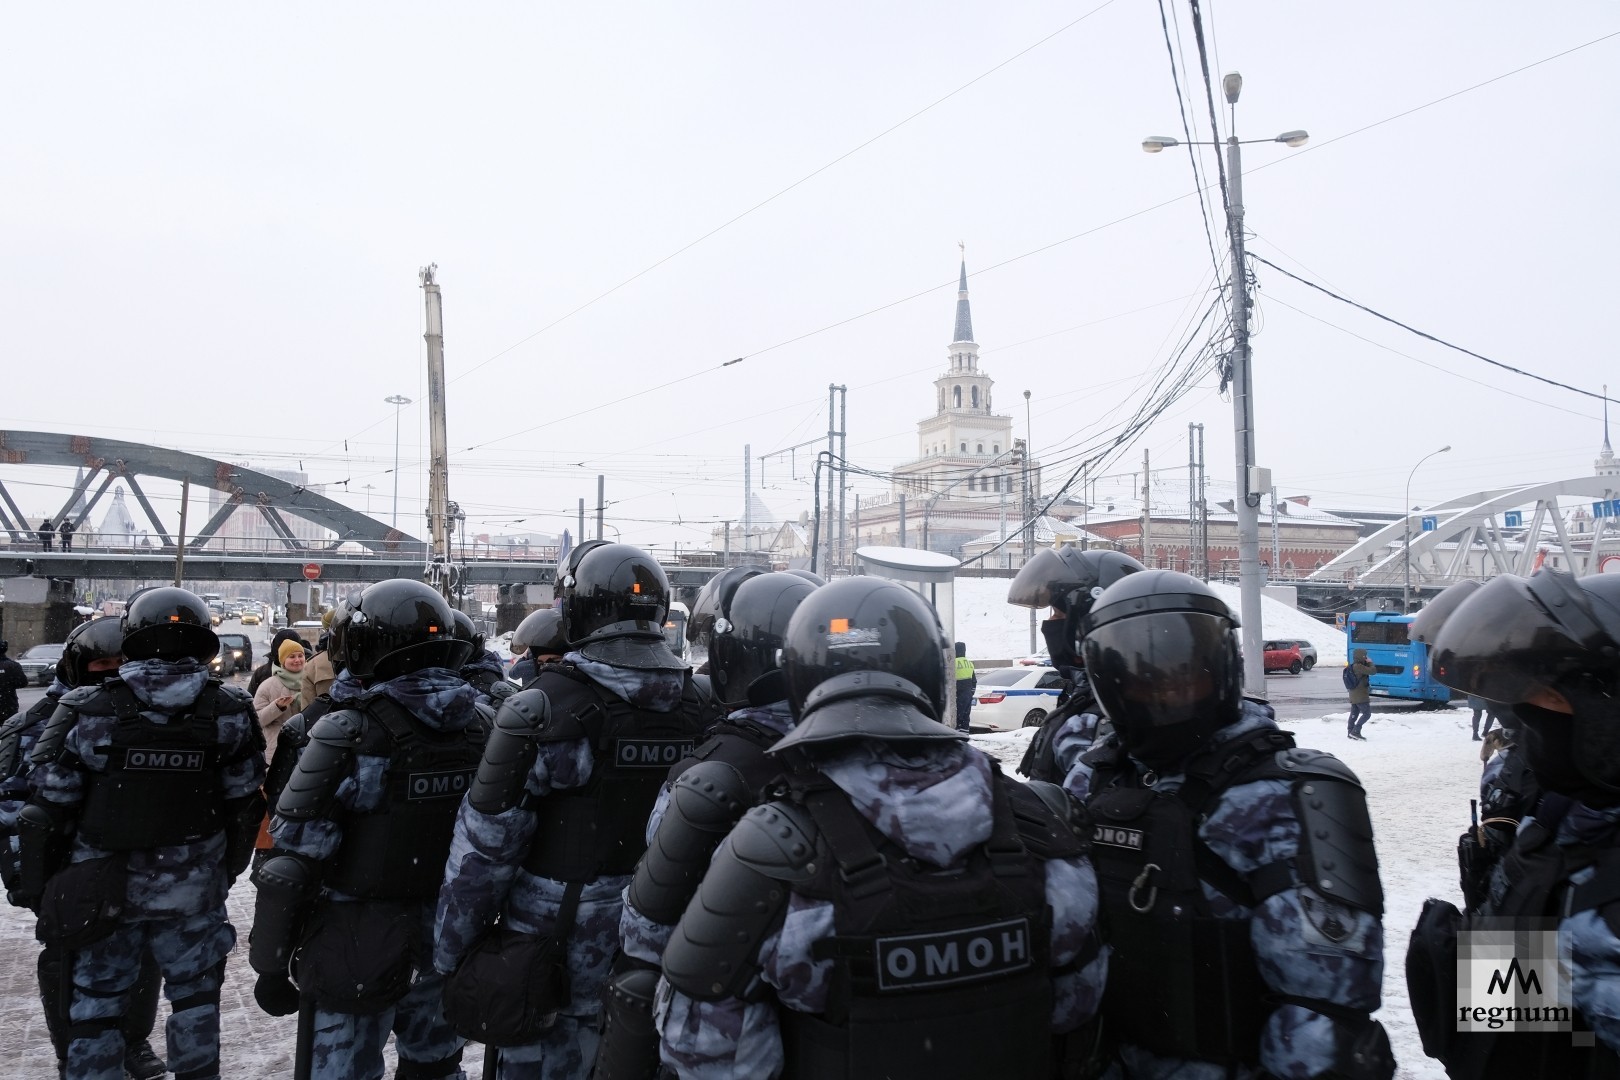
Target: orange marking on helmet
x: 839, y: 626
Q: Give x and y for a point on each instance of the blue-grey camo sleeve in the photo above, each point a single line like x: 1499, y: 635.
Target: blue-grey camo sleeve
x: 487, y: 849
x: 1076, y: 955
x: 1595, y: 970
x: 1307, y: 946
x: 318, y: 839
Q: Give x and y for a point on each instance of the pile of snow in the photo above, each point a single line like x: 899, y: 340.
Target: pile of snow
x: 995, y: 630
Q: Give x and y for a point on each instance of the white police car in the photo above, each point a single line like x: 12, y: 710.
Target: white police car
x: 1014, y: 697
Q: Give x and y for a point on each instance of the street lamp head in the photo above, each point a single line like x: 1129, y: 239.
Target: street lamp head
x: 1232, y: 86
x: 1442, y: 450
x: 396, y: 399
x: 1154, y: 143
x: 1293, y: 138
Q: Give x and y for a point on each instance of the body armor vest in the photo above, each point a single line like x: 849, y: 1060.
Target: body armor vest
x: 601, y: 828
x: 1182, y: 982
x: 398, y: 851
x: 162, y: 786
x: 13, y: 761
x: 941, y: 973
x: 1533, y: 882
x: 1040, y: 762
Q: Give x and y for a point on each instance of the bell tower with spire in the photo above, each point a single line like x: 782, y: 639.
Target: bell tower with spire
x: 1605, y: 463
x: 963, y: 424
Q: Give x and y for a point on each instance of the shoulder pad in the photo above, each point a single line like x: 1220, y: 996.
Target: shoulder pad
x: 568, y: 697
x: 1302, y: 762
x: 48, y: 747
x: 1336, y: 856
x: 344, y: 727
x: 485, y: 716
x: 509, y: 753
x: 232, y: 699
x: 79, y: 695
x: 778, y: 840
x: 323, y: 765
x: 1052, y: 823
x: 10, y: 745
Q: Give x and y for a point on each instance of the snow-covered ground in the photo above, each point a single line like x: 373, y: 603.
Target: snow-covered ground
x: 995, y: 630
x: 1420, y: 770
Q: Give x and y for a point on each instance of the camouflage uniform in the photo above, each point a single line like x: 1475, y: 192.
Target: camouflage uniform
x: 936, y: 804
x: 488, y: 675
x: 640, y: 936
x: 24, y: 728
x: 346, y: 1045
x: 1593, y: 941
x: 485, y: 879
x: 1306, y: 945
x: 175, y: 898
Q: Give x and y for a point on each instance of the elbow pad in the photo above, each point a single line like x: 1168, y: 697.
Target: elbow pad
x: 323, y: 765
x: 704, y: 804
x: 1336, y: 856
x: 288, y: 885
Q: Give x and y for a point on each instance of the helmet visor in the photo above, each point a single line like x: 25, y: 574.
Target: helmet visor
x: 1426, y: 623
x: 1515, y: 636
x: 1045, y: 574
x: 1164, y: 670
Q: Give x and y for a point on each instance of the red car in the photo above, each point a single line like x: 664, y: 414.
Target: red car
x: 1284, y: 656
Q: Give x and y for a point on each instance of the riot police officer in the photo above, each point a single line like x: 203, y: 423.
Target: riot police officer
x: 1066, y: 580
x: 90, y: 656
x: 557, y: 819
x: 705, y: 795
x: 903, y: 909
x: 1546, y: 645
x: 145, y: 808
x: 362, y: 828
x: 484, y: 670
x: 1240, y: 888
x: 537, y: 641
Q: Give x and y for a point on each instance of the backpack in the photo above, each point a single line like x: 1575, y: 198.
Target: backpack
x: 1350, y: 677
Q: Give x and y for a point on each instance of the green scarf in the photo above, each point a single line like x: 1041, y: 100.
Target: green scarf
x: 292, y: 680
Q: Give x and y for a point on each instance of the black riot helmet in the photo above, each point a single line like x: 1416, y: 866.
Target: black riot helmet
x: 613, y: 608
x: 1161, y: 650
x: 468, y: 632
x: 168, y: 623
x: 745, y: 651
x: 1517, y: 639
x: 713, y: 600
x: 94, y: 642
x: 865, y: 658
x: 1069, y: 581
x: 540, y: 634
x: 400, y: 626
x: 809, y: 575
x: 341, y: 611
x: 1427, y: 622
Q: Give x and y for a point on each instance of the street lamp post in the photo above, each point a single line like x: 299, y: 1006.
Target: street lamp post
x: 1029, y: 508
x: 1248, y: 502
x: 1406, y: 541
x: 397, y: 401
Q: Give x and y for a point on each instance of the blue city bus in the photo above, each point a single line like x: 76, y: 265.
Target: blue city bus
x: 1400, y: 665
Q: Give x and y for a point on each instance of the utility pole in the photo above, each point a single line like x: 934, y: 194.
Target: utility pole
x: 843, y: 477
x: 1147, y: 513
x: 438, y: 440
x: 902, y: 521
x: 1192, y: 501
x: 180, y: 541
x: 579, y: 537
x: 726, y: 551
x: 748, y: 499
x: 397, y: 401
x: 601, y: 502
x: 1249, y: 485
x: 1029, y: 506
x: 835, y: 474
x: 1276, y: 539
x: 1203, y: 510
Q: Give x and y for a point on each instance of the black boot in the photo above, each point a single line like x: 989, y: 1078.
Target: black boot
x: 142, y: 1063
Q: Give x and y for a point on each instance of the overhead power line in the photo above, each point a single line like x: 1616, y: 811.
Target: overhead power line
x: 1428, y: 336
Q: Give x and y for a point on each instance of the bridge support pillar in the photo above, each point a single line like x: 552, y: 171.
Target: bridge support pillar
x: 512, y: 604
x: 38, y: 611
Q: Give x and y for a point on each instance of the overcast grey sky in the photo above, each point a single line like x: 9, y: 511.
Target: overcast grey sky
x: 214, y: 215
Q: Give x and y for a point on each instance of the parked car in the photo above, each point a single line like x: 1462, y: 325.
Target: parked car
x: 235, y: 654
x: 1307, y: 652
x: 1014, y: 697
x: 39, y: 663
x: 1040, y: 659
x: 1284, y: 656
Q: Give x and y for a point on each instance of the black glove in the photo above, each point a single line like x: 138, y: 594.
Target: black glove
x: 276, y: 995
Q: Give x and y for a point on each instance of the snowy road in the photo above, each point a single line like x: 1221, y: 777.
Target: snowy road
x: 1420, y: 770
